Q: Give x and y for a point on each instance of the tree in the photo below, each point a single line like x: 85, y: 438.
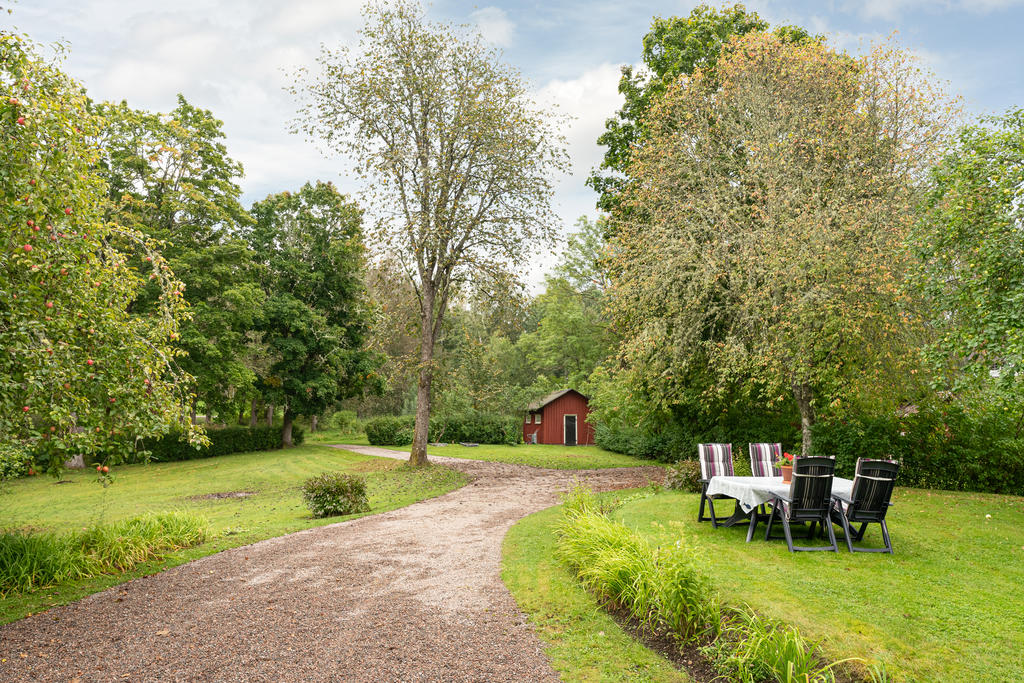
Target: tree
x: 780, y: 195
x: 80, y: 372
x: 674, y: 47
x: 315, y: 319
x: 170, y: 177
x: 459, y: 156
x: 969, y: 245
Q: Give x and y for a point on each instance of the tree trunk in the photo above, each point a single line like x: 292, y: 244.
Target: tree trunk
x: 270, y: 415
x: 418, y: 456
x: 286, y: 430
x: 209, y: 416
x: 312, y: 423
x: 804, y: 395
x: 253, y: 415
x: 241, y: 415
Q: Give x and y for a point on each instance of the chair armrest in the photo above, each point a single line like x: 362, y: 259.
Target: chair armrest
x: 843, y: 497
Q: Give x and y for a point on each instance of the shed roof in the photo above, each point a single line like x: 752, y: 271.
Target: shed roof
x: 554, y: 396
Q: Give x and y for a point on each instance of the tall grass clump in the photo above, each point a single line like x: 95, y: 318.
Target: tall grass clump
x: 752, y: 648
x: 35, y: 560
x: 664, y: 589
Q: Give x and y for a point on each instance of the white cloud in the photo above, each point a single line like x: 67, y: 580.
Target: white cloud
x: 891, y: 10
x: 494, y: 25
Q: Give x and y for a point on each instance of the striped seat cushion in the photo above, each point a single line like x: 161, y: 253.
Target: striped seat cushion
x: 763, y: 457
x: 715, y: 459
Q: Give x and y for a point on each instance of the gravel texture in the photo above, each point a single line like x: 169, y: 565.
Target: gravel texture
x: 414, y: 594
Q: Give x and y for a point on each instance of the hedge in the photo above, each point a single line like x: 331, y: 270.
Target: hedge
x: 938, y: 448
x: 485, y: 428
x: 224, y: 441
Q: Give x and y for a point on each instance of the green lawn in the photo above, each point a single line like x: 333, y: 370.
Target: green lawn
x: 534, y: 455
x: 584, y: 643
x: 948, y: 606
x: 275, y: 509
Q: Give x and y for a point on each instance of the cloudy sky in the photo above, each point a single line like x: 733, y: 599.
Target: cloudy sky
x: 233, y: 57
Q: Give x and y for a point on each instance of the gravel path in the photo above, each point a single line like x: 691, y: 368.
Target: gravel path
x: 414, y: 594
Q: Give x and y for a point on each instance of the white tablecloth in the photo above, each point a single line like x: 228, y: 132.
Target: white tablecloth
x: 753, y: 491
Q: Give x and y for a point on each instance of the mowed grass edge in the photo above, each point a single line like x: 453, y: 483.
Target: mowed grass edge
x: 273, y: 506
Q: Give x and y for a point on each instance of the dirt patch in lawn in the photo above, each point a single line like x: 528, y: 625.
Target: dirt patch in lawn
x: 223, y: 494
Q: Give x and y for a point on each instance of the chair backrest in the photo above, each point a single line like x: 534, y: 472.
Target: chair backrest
x: 715, y: 459
x: 872, y: 489
x: 811, y: 488
x: 763, y: 457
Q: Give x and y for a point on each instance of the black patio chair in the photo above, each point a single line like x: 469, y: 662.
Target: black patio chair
x: 809, y: 500
x: 715, y: 460
x: 868, y: 502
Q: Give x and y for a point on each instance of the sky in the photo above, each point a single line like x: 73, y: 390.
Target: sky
x: 235, y: 57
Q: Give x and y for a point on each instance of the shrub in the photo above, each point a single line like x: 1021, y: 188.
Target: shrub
x: 331, y: 494
x: 684, y: 476
x: 14, y: 461
x: 344, y: 421
x: 29, y: 561
x: 225, y: 441
x: 483, y: 428
x: 390, y: 430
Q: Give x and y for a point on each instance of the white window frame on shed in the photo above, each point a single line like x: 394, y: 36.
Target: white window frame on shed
x: 536, y: 419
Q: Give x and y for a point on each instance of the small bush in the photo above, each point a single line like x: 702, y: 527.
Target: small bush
x: 332, y: 494
x: 344, y: 421
x: 29, y: 561
x: 14, y: 461
x: 390, y: 430
x: 684, y: 476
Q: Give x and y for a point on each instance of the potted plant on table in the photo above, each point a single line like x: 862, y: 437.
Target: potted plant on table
x: 785, y: 463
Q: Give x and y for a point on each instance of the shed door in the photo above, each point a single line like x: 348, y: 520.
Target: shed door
x: 570, y: 430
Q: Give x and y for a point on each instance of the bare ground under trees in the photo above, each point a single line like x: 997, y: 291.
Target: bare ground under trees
x: 414, y: 594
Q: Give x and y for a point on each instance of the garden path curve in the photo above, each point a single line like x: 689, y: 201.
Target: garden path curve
x: 414, y: 594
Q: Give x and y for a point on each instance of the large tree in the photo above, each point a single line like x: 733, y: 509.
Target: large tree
x: 79, y: 371
x: 970, y: 249
x: 780, y: 194
x: 315, y: 319
x: 674, y: 47
x: 170, y: 177
x: 459, y: 156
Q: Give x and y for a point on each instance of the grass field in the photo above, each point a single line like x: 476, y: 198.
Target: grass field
x: 948, y: 606
x: 535, y: 455
x: 274, y: 508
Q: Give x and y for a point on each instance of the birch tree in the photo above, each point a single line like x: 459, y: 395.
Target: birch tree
x: 457, y: 158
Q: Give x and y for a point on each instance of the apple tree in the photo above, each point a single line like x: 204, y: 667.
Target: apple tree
x: 80, y: 372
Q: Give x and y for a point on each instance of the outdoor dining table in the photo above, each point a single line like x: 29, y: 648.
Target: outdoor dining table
x: 752, y: 492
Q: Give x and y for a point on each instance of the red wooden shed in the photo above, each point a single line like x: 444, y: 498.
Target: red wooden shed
x: 559, y: 418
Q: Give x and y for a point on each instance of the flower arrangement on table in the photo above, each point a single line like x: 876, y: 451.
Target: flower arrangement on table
x: 785, y: 461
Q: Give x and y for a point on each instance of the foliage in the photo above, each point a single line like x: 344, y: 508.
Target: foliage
x: 674, y: 47
x: 684, y: 475
x: 390, y: 430
x: 969, y: 249
x: 945, y: 447
x: 480, y: 428
x: 458, y: 155
x: 224, y: 441
x: 332, y: 494
x: 779, y: 192
x: 29, y: 561
x: 582, y: 641
x: 752, y: 648
x: 15, y: 461
x: 169, y: 177
x: 309, y: 245
x: 80, y: 367
x: 344, y: 421
x: 665, y: 589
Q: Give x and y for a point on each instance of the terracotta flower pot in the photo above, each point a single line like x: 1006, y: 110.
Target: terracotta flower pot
x: 787, y: 474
